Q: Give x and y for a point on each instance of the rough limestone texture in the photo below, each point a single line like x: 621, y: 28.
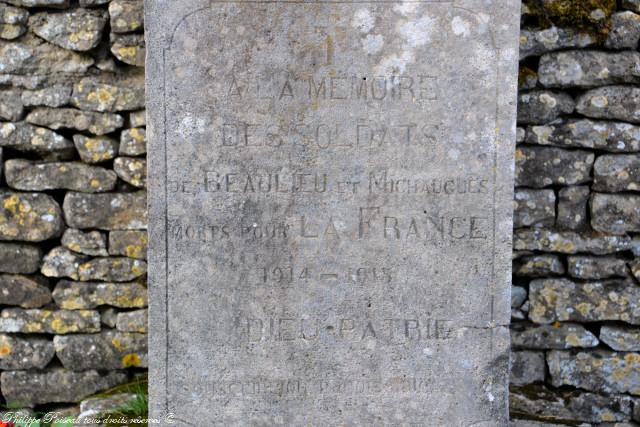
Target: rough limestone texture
x: 19, y: 258
x: 89, y: 295
x: 561, y: 336
x: 572, y: 208
x: 615, y: 173
x: 68, y: 108
x: 615, y: 213
x: 534, y: 208
x: 29, y: 176
x: 30, y: 217
x: 49, y: 321
x: 564, y: 300
x: 30, y: 388
x: 617, y: 373
x: 616, y: 137
x: 329, y: 175
x: 107, y: 350
x: 541, y: 167
x: 576, y: 281
x: 24, y: 291
x: 24, y: 353
x: 621, y: 338
x: 112, y: 211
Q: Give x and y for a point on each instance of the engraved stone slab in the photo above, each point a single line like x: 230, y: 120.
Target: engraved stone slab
x: 330, y: 211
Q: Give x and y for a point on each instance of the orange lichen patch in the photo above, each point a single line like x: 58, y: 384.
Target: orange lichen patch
x: 117, y: 344
x: 131, y: 360
x: 5, y: 350
x: 134, y: 251
x: 11, y: 204
x: 127, y: 51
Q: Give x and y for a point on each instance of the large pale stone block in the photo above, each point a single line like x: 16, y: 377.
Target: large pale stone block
x: 330, y: 211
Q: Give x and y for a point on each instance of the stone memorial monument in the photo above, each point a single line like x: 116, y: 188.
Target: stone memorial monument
x: 330, y: 211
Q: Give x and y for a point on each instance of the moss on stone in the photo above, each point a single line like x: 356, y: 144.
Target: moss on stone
x: 591, y: 16
x: 524, y: 74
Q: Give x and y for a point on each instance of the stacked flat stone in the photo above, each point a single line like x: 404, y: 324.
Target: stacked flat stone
x: 73, y: 216
x: 576, y: 294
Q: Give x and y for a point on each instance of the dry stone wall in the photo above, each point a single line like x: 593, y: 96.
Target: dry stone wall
x: 73, y: 207
x: 576, y: 269
x: 73, y: 290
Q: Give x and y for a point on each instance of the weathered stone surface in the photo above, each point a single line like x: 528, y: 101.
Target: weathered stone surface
x: 91, y: 243
x: 75, y: 295
x: 543, y: 166
x: 613, y: 173
x: 92, y: 95
x: 197, y: 122
x: 36, y: 321
x: 126, y: 15
x: 24, y: 353
x: 131, y: 170
x: 588, y: 267
x: 70, y: 118
x: 26, y: 175
x: 572, y: 208
x: 61, y: 262
x: 527, y: 367
x: 615, y: 213
x: 633, y: 5
x: 109, y: 317
x: 599, y: 370
x: 107, y: 350
x: 584, y: 68
x: 538, y: 42
x: 133, y: 142
x: 575, y: 405
x: 11, y: 107
x: 540, y: 107
x: 121, y: 211
x: 534, y: 208
x: 621, y: 338
x: 13, y: 21
x: 40, y: 3
x: 518, y: 296
x: 611, y: 102
x: 79, y: 29
x: 527, y: 79
x: 97, y: 149
x: 112, y: 269
x: 32, y: 139
x: 129, y: 48
x: 635, y: 268
x: 129, y: 243
x: 625, y: 31
x: 133, y: 321
x: 602, y: 135
x: 33, y: 56
x: 19, y: 258
x: 24, y: 291
x: 30, y: 217
x: 53, y: 96
x: 93, y: 3
x: 569, y: 242
x: 137, y: 119
x: 563, y: 300
x: 539, y: 266
x: 30, y: 388
x: 559, y: 336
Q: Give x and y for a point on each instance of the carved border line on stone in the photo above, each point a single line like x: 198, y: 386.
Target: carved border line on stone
x: 494, y: 174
